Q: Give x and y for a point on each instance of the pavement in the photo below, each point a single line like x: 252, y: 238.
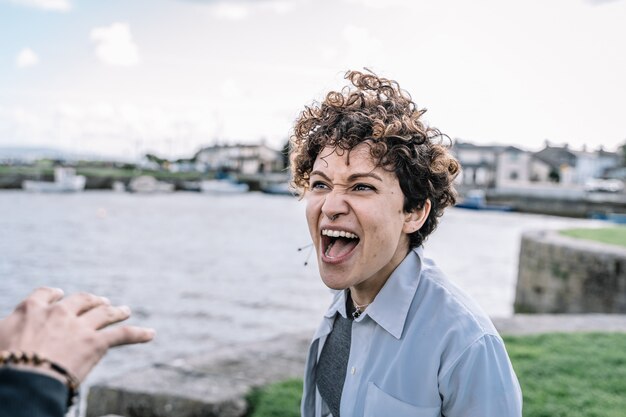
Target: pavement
x: 524, y: 324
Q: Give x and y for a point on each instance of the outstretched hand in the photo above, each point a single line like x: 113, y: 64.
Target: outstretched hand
x: 72, y: 331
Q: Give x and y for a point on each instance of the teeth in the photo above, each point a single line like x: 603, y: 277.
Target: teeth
x: 339, y: 233
x: 328, y: 248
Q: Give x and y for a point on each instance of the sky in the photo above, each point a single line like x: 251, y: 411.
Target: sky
x: 126, y: 77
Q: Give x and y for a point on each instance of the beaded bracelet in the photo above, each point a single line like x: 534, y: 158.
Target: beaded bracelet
x: 33, y: 359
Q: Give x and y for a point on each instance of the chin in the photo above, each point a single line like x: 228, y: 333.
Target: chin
x: 334, y: 283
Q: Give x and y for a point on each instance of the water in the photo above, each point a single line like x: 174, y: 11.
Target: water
x: 208, y: 271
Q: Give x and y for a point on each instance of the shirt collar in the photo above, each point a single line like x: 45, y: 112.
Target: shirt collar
x: 338, y: 305
x: 391, y: 306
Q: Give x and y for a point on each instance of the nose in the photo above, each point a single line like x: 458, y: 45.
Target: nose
x: 335, y: 204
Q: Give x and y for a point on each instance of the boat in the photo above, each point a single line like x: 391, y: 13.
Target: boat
x: 65, y: 181
x: 280, y: 188
x: 476, y: 200
x: 224, y: 186
x: 118, y: 187
x: 149, y: 184
x: 618, y: 218
x: 190, y: 186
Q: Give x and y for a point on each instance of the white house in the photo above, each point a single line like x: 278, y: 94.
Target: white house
x: 243, y: 159
x: 492, y: 165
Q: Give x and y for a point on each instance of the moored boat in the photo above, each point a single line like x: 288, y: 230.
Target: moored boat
x: 476, y: 200
x: 149, y: 184
x: 65, y: 181
x: 224, y: 186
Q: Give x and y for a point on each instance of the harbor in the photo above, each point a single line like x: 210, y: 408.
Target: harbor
x: 210, y: 271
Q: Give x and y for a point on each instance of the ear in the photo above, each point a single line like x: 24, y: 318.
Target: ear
x: 415, y: 219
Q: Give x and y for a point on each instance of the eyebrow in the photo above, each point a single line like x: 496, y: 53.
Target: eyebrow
x: 351, y: 178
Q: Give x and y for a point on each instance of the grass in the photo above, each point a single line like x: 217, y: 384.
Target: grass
x: 611, y: 235
x: 277, y: 400
x: 573, y: 375
x: 562, y: 375
x: 100, y: 172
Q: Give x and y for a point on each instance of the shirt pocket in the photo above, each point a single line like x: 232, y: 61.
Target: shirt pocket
x: 380, y: 404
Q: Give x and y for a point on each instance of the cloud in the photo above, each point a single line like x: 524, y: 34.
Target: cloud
x: 26, y: 58
x: 363, y: 48
x: 600, y: 2
x: 54, y: 5
x: 281, y: 6
x: 231, y: 11
x: 230, y: 89
x: 380, y: 4
x: 115, y: 45
x: 242, y: 9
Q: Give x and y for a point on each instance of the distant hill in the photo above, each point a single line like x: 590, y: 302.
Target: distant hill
x: 28, y: 153
x: 32, y: 153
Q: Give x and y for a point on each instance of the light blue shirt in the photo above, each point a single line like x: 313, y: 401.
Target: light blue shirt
x: 422, y: 349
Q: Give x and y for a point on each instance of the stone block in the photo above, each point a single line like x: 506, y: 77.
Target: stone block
x: 214, y: 384
x: 558, y: 274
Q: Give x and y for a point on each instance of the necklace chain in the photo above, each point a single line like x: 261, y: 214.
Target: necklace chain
x: 358, y: 309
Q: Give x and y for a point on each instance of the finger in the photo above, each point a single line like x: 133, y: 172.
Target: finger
x: 127, y: 335
x: 105, y: 315
x: 82, y: 302
x: 46, y: 295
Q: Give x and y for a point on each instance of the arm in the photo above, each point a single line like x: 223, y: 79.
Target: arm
x: 72, y: 332
x: 30, y: 393
x: 481, y: 382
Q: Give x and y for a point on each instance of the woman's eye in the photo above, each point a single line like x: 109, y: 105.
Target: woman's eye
x: 363, y: 187
x: 318, y: 185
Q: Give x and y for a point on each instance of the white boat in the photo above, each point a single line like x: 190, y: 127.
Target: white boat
x: 149, y: 184
x: 279, y: 188
x: 65, y: 181
x: 118, y: 187
x: 223, y: 187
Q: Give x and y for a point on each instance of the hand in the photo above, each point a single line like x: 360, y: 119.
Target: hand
x: 71, y: 331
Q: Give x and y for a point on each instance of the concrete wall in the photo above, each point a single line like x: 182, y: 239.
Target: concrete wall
x: 558, y: 200
x: 214, y: 384
x: 559, y: 274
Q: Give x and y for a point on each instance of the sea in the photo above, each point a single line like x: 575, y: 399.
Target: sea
x: 209, y: 271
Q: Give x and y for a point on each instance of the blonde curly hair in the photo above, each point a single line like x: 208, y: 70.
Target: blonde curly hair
x: 377, y: 112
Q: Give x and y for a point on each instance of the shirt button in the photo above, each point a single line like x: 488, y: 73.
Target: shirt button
x: 353, y: 370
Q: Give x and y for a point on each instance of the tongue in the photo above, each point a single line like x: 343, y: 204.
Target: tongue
x: 341, y: 247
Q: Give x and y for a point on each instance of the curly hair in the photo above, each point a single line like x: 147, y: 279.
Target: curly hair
x: 377, y: 112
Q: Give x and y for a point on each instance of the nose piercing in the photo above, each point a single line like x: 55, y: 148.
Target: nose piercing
x: 333, y: 217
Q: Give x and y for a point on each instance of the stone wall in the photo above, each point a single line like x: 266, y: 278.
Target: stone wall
x: 214, y: 384
x: 559, y: 274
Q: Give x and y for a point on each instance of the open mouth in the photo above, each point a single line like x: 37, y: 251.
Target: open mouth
x: 338, y: 243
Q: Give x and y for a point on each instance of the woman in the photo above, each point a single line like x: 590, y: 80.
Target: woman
x: 399, y: 339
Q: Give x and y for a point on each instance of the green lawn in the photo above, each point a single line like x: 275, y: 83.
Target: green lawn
x: 611, y: 235
x: 562, y: 375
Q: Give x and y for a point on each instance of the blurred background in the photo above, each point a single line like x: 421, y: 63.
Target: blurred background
x: 142, y: 146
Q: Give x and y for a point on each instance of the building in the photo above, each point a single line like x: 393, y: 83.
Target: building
x: 501, y: 166
x: 554, y: 164
x: 491, y: 166
x: 242, y: 159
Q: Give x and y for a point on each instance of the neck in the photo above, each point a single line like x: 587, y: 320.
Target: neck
x: 361, y: 299
x: 365, y: 291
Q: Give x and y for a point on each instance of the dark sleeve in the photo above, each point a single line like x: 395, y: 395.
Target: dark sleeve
x: 31, y: 394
